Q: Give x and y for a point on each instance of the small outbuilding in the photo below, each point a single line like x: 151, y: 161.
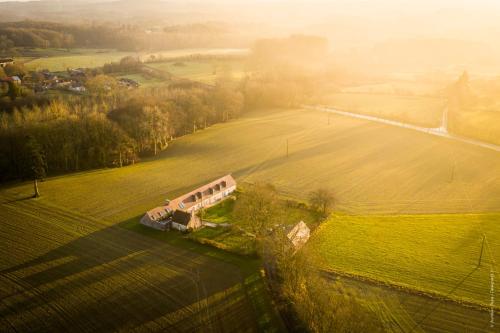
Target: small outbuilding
x: 298, y: 234
x: 184, y: 221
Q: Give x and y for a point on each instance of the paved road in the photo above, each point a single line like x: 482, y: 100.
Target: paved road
x: 439, y: 131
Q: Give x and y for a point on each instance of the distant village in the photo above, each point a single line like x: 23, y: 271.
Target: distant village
x: 73, y: 79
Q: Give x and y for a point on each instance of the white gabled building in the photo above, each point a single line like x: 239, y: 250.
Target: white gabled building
x: 164, y: 217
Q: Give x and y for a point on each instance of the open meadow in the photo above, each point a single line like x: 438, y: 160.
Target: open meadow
x: 419, y: 110
x: 61, y: 59
x: 438, y: 254
x: 371, y: 167
x: 204, y: 71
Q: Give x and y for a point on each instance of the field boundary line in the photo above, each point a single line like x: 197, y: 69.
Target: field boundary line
x: 413, y: 291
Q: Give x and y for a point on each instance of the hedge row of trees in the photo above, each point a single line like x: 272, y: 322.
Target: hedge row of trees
x: 123, y: 37
x: 58, y: 35
x: 309, y: 300
x: 108, y: 130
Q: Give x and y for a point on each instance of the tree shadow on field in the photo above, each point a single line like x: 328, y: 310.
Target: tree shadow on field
x: 429, y: 310
x: 114, y: 279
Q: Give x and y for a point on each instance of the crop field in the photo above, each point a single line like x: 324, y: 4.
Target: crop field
x: 372, y: 168
x: 418, y: 110
x: 61, y: 271
x: 60, y: 60
x: 400, y: 311
x: 204, y: 71
x: 432, y: 253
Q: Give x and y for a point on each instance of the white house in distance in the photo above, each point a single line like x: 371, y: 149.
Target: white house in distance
x: 180, y: 212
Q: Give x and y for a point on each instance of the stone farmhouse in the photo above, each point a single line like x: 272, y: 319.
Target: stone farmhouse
x: 180, y: 213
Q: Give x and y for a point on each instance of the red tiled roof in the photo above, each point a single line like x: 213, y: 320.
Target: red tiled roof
x: 190, y: 199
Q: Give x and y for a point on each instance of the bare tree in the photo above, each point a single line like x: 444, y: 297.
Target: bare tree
x: 257, y: 209
x: 322, y: 200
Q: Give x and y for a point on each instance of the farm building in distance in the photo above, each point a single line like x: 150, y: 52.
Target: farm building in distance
x: 298, y: 234
x: 6, y: 61
x: 180, y: 213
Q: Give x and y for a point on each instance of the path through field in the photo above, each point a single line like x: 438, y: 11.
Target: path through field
x: 438, y: 131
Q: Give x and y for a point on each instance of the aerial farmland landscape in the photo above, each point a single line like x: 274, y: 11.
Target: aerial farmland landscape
x: 249, y: 166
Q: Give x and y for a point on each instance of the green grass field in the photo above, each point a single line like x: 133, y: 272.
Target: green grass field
x: 59, y: 60
x: 206, y: 71
x: 431, y: 253
x: 372, y: 168
x: 80, y: 244
x: 419, y: 110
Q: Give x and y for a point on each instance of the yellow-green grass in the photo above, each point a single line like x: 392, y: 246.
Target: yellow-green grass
x: 204, y: 71
x: 62, y: 271
x: 60, y: 60
x: 419, y: 110
x: 432, y: 253
x: 371, y: 167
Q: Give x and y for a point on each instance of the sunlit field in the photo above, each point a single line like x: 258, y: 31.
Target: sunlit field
x: 418, y: 110
x: 207, y: 71
x: 363, y: 136
x: 60, y: 60
x: 432, y: 253
x: 372, y: 168
x: 64, y: 271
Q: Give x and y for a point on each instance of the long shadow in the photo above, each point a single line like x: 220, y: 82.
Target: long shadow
x: 17, y: 200
x: 441, y: 301
x: 145, y: 274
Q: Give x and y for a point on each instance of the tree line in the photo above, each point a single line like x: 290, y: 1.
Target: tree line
x: 40, y: 34
x: 108, y: 128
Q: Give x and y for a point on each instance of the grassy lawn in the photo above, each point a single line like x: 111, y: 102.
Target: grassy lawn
x: 233, y: 238
x: 205, y: 71
x: 419, y: 110
x: 220, y: 213
x: 434, y: 253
